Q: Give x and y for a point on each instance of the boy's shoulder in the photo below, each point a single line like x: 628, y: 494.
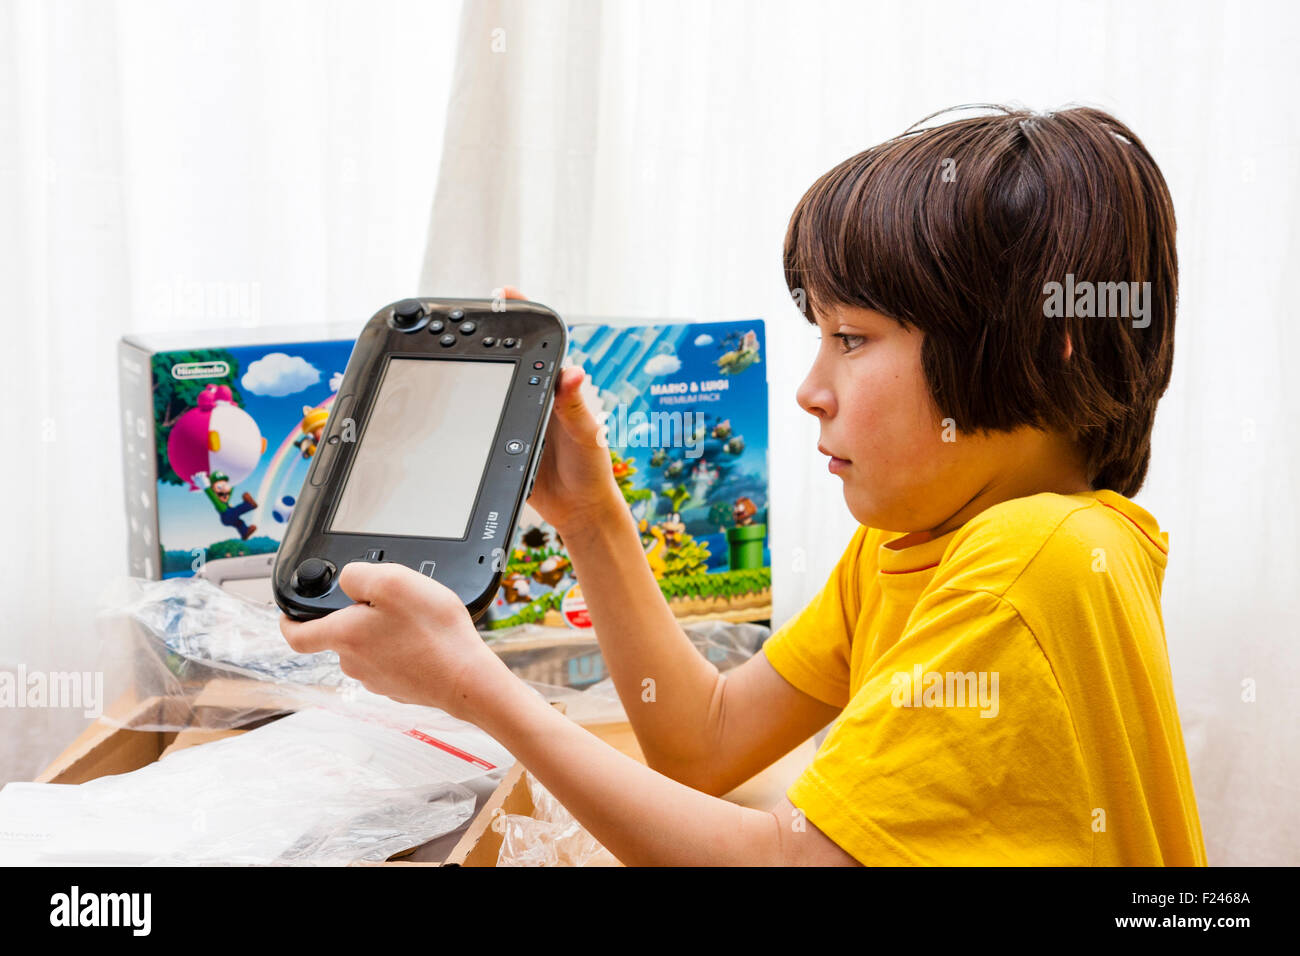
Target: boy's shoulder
x: 1060, y: 541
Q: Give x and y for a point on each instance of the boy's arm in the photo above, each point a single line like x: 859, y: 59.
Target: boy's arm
x: 410, y: 638
x: 640, y: 815
x: 708, y: 730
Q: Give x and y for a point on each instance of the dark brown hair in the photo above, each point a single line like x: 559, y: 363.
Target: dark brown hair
x: 957, y: 230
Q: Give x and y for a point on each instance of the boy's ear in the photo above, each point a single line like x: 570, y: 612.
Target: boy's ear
x: 1069, y: 346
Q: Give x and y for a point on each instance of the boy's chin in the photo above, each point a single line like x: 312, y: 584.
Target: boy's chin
x: 870, y: 511
x: 865, y: 510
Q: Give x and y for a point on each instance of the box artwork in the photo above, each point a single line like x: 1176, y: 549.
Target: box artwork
x: 685, y: 408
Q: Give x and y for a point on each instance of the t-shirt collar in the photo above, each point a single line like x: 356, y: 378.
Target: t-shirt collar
x: 925, y: 556
x: 913, y: 559
x: 1142, y: 519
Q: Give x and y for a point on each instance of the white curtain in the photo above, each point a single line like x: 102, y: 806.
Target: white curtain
x: 642, y: 159
x: 168, y: 166
x: 172, y: 165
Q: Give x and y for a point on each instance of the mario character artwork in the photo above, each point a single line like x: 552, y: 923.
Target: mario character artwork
x: 741, y: 357
x: 743, y: 512
x: 673, y: 528
x: 654, y: 541
x: 312, y: 427
x: 689, y: 456
x: 552, y: 570
x: 516, y: 589
x: 745, y: 538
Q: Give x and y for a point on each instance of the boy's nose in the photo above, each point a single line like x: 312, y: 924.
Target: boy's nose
x: 815, y: 399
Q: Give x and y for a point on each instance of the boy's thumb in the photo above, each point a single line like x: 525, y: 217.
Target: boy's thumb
x: 569, y: 398
x: 570, y: 403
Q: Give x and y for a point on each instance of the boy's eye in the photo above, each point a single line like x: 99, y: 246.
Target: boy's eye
x: 850, y: 342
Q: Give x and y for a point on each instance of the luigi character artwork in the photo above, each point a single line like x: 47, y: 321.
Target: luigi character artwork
x: 217, y: 487
x: 216, y: 444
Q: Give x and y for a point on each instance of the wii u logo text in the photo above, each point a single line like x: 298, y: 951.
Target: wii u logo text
x: 490, y: 526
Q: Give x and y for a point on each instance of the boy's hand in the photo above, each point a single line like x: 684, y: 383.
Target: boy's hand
x: 408, y: 637
x: 575, y: 485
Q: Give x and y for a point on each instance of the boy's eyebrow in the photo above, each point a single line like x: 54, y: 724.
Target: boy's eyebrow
x: 857, y: 318
x: 829, y: 314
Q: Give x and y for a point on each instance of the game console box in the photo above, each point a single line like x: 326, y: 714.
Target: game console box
x: 685, y: 410
x: 218, y: 432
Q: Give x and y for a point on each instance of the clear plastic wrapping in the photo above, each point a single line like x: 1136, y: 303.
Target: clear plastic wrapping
x: 312, y: 788
x: 185, y: 653
x: 562, y: 664
x: 563, y: 657
x: 550, y: 837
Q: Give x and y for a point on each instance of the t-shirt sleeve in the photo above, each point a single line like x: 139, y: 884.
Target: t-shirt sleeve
x: 812, y: 650
x: 958, y: 749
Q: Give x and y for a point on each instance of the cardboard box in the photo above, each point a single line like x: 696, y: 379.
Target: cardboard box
x: 481, y: 844
x: 218, y: 431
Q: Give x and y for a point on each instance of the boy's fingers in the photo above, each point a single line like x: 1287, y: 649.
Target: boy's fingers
x: 578, y: 418
x: 393, y: 586
x: 322, y: 634
x: 302, y: 636
x: 367, y: 582
x: 569, y: 391
x: 510, y: 292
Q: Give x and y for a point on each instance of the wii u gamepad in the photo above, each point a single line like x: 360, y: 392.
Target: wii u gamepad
x: 429, y: 451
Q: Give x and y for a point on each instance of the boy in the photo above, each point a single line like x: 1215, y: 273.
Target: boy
x: 995, y: 665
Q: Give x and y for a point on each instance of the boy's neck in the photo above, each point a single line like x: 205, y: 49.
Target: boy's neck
x: 909, y: 539
x: 1048, y: 462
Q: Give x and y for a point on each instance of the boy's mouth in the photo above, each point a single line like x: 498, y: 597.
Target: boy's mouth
x: 836, y: 465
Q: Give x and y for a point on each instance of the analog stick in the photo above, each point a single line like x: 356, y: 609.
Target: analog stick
x: 408, y: 313
x: 314, y: 576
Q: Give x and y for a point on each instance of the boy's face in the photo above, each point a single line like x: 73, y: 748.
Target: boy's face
x: 867, y: 390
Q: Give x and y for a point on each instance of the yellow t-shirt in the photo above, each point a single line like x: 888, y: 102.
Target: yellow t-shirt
x: 1005, y: 691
